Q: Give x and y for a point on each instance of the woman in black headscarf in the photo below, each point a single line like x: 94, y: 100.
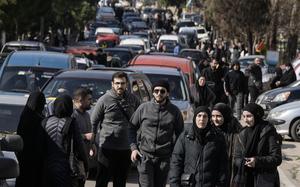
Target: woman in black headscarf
x: 63, y: 137
x: 29, y: 128
x: 200, y: 153
x: 258, y: 151
x: 205, y: 95
x: 229, y: 126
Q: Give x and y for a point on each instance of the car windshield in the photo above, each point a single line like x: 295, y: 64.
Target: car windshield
x: 177, y: 88
x: 200, y: 31
x: 8, y: 49
x: 124, y: 56
x: 294, y: 84
x: 193, y: 54
x: 246, y: 62
x: 25, y: 79
x: 61, y: 86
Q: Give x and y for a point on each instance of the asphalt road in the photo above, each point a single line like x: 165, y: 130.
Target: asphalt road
x: 289, y: 170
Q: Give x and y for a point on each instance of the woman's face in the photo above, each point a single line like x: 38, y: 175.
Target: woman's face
x: 201, y: 81
x: 217, y: 118
x: 248, y: 118
x: 201, y: 120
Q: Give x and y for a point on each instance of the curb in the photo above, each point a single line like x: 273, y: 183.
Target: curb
x: 284, y: 179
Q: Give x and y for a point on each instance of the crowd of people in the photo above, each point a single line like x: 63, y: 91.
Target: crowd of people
x: 215, y: 150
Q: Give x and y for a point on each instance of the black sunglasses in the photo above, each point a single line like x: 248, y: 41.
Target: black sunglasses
x: 162, y: 91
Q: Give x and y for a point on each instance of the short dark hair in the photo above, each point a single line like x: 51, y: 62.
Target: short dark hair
x: 81, y: 93
x: 119, y: 74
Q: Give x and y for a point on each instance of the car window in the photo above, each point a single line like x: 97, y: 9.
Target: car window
x: 177, y: 88
x: 60, y: 86
x: 24, y: 79
x: 135, y: 90
x: 8, y: 48
x: 143, y: 91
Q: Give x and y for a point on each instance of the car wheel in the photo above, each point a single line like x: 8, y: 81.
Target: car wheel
x: 295, y: 131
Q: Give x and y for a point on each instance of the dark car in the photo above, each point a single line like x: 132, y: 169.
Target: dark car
x: 22, y: 73
x: 124, y: 54
x: 98, y: 80
x: 9, y: 168
x: 195, y: 54
x: 273, y: 98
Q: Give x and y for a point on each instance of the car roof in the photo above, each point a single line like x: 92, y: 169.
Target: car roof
x: 252, y: 57
x: 156, y: 69
x: 37, y: 58
x: 168, y: 37
x: 24, y: 43
x: 160, y: 60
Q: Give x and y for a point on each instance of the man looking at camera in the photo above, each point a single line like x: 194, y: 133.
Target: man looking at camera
x: 151, y: 133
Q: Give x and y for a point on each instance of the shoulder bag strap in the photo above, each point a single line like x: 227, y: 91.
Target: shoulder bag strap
x: 123, y: 111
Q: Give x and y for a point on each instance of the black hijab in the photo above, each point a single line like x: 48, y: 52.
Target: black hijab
x: 253, y: 133
x: 200, y: 133
x: 36, y: 102
x: 63, y: 106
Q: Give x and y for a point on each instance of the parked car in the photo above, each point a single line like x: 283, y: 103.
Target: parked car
x: 286, y: 119
x: 22, y: 73
x: 273, y: 98
x: 105, y: 13
x: 187, y: 66
x: 137, y: 41
x: 124, y: 54
x: 170, y: 41
x: 9, y: 168
x: 98, y: 80
x: 179, y: 90
x: 202, y: 34
x: 195, y: 54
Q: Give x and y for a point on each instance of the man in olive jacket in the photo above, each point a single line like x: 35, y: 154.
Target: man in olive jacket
x: 156, y: 122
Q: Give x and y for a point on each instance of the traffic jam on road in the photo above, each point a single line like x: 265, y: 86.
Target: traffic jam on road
x: 149, y: 43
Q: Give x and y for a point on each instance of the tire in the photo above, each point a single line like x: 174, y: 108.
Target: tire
x: 295, y: 131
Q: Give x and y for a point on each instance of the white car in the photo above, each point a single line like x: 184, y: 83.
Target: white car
x: 104, y: 30
x: 137, y: 41
x: 171, y: 38
x: 286, y: 119
x: 202, y: 33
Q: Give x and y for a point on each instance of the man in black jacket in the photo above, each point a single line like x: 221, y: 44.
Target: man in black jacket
x: 288, y: 75
x: 234, y: 86
x: 156, y: 122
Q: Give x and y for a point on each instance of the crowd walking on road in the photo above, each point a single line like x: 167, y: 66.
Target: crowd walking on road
x: 226, y: 144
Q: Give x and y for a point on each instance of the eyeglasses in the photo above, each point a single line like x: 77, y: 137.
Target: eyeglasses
x: 162, y: 91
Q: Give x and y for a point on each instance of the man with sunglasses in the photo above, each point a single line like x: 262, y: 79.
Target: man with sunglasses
x: 151, y: 136
x: 113, y: 111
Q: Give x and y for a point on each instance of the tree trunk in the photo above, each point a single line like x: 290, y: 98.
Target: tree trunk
x: 292, y: 46
x: 250, y: 41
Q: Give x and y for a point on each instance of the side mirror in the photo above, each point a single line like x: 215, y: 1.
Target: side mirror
x: 9, y: 168
x: 12, y: 143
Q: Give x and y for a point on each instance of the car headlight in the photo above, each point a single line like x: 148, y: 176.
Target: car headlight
x: 274, y: 114
x: 281, y: 97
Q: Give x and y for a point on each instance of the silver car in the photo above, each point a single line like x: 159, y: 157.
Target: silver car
x: 286, y: 119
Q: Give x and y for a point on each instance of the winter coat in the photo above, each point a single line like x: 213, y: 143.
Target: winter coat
x: 156, y: 125
x: 212, y: 168
x: 204, y: 96
x: 287, y: 78
x: 113, y: 122
x: 268, y: 157
x: 255, y: 77
x: 30, y: 129
x: 234, y: 82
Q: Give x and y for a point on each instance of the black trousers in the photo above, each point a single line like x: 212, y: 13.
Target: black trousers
x: 254, y: 93
x: 115, y: 167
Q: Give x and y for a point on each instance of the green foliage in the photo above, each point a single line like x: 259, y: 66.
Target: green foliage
x: 22, y: 16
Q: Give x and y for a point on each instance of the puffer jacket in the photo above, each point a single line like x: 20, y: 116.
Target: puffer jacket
x: 212, y: 169
x: 156, y: 125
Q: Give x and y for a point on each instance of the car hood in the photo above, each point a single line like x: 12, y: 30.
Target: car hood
x: 277, y: 91
x: 288, y: 106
